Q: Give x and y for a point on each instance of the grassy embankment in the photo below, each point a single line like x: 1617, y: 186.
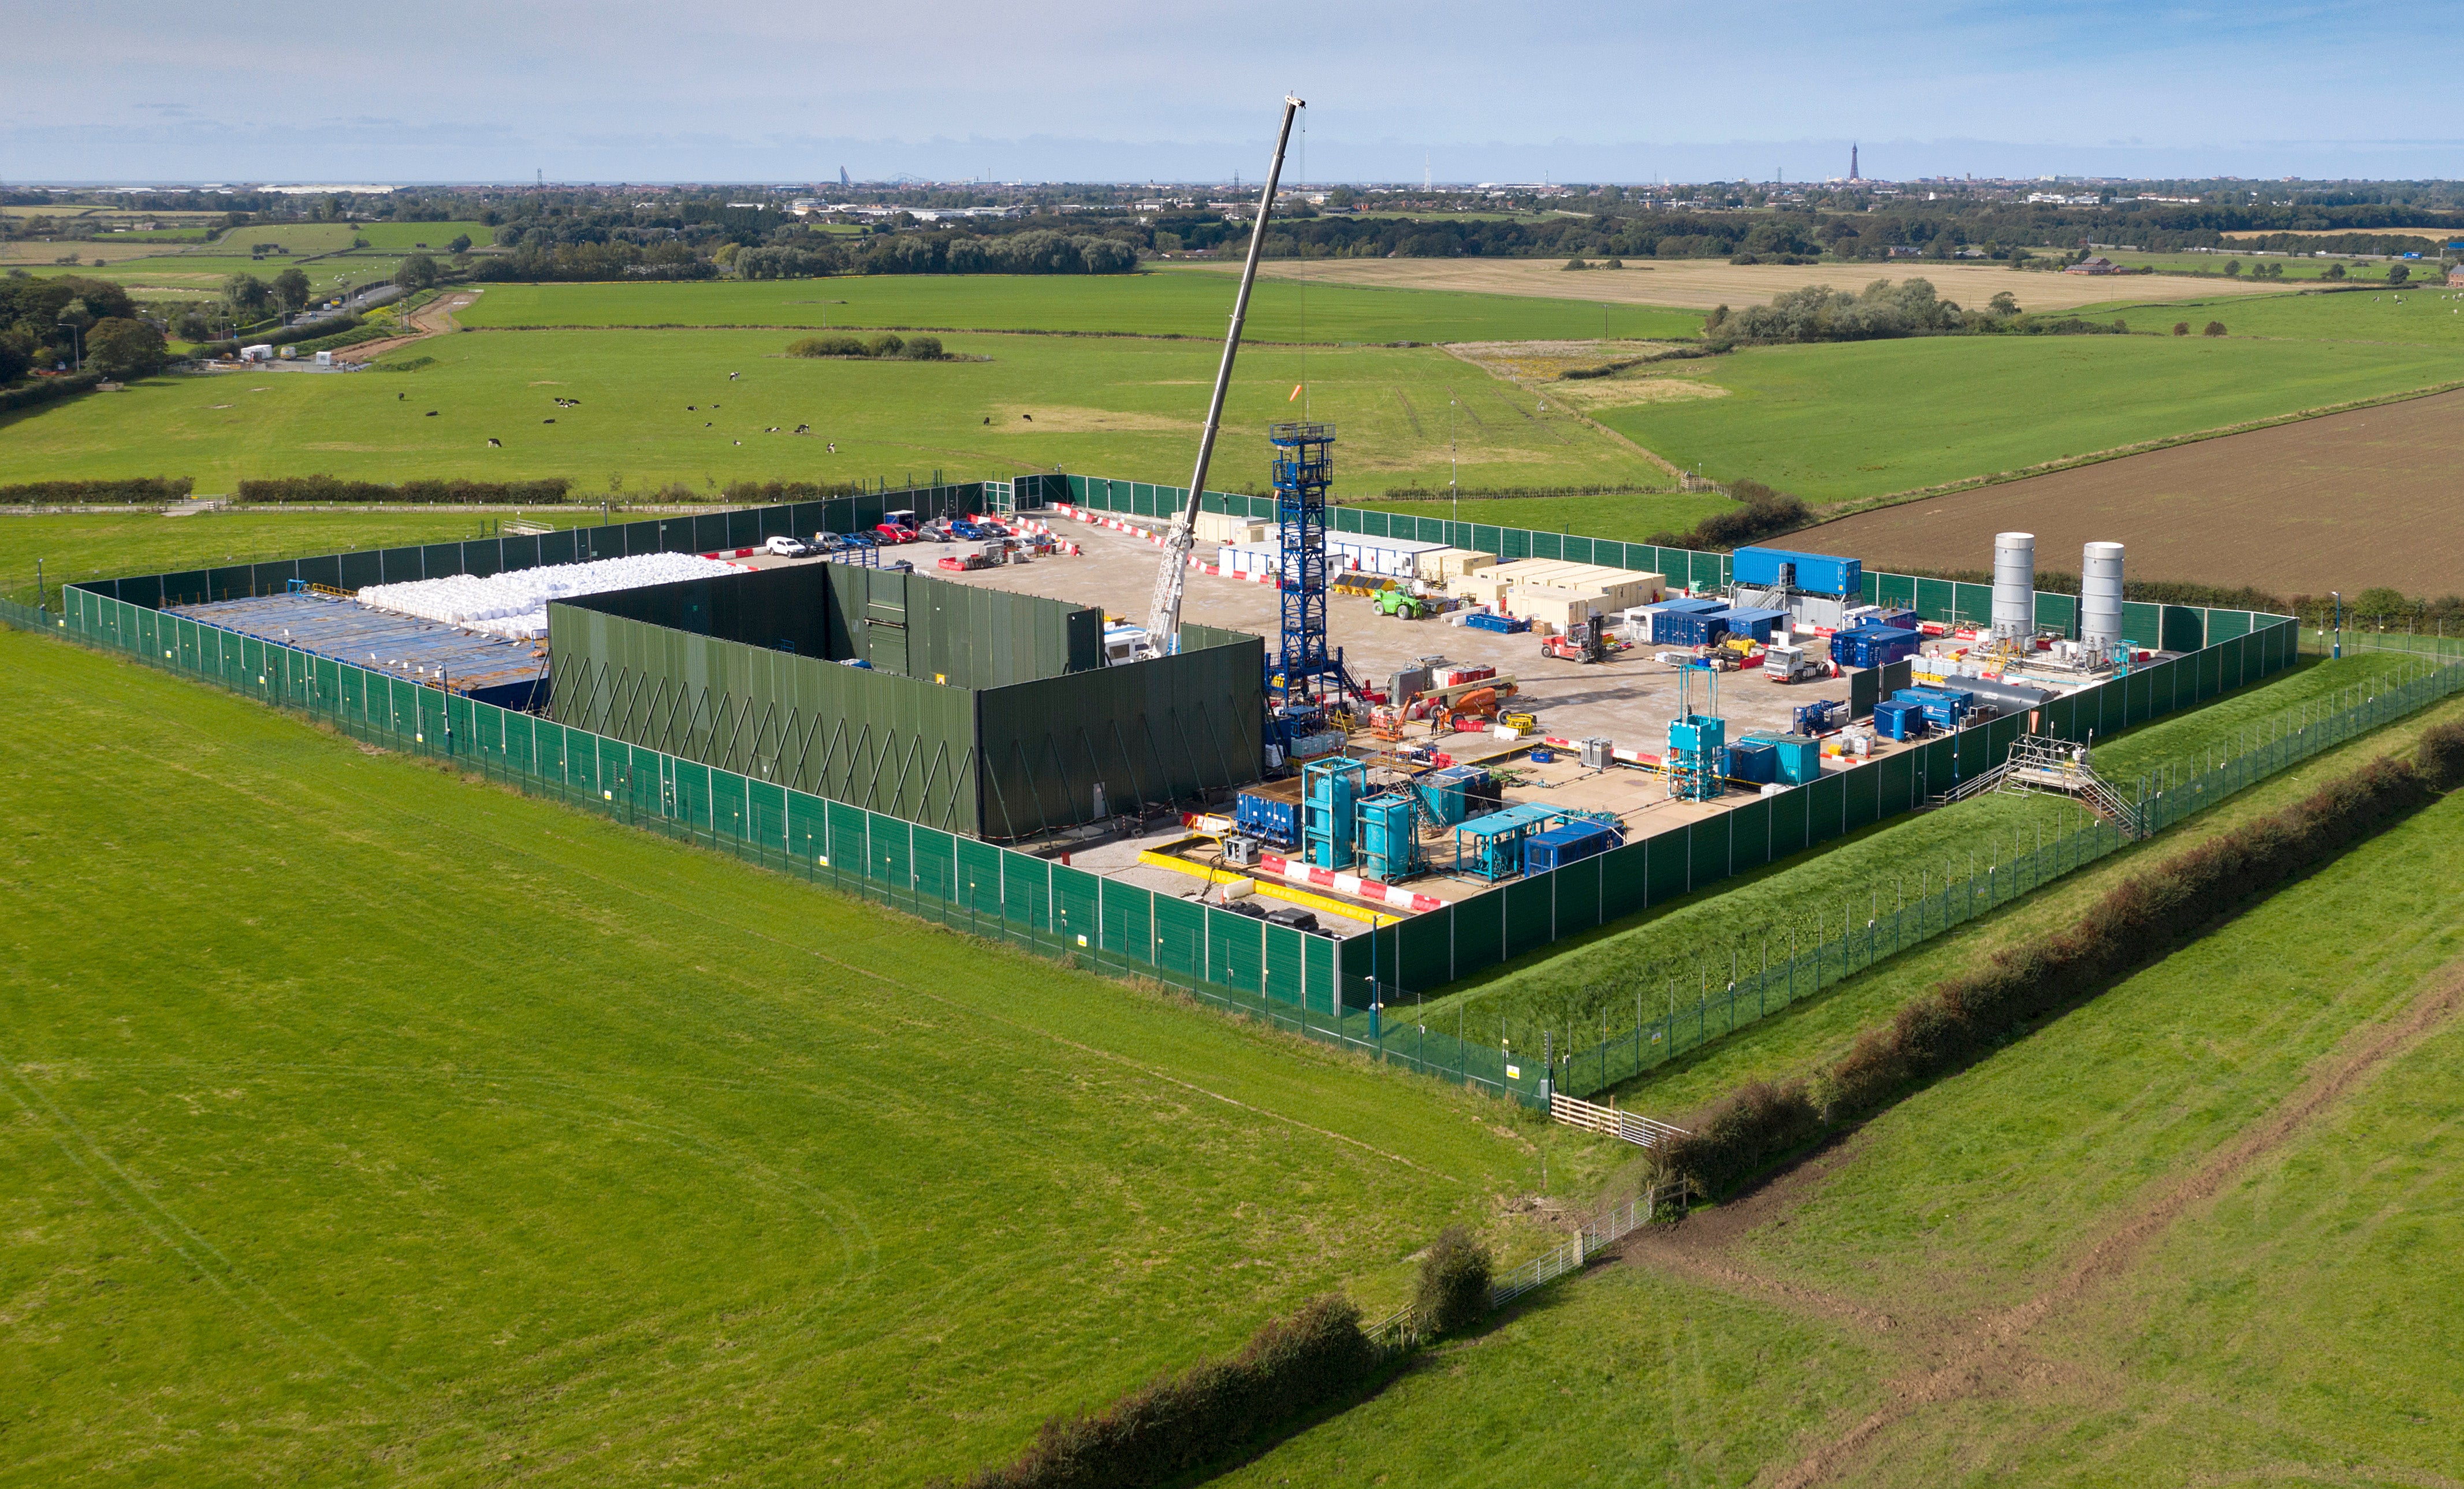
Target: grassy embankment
x: 1581, y: 986
x: 424, y: 1128
x: 2130, y: 1246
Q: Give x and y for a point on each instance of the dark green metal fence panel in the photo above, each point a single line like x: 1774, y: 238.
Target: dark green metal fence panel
x: 1628, y: 879
x: 1234, y: 950
x: 2186, y: 628
x: 1826, y: 802
x: 1669, y: 864
x: 1026, y: 887
x: 1076, y: 901
x: 1179, y: 936
x: 1424, y: 951
x: 1788, y: 822
x: 1128, y: 920
x: 1707, y: 850
x: 980, y: 875
x: 2143, y: 624
x: 1527, y: 917
x: 1750, y: 835
x: 1285, y: 975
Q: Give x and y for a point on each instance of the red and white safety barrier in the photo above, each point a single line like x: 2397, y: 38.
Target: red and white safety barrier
x: 1349, y: 884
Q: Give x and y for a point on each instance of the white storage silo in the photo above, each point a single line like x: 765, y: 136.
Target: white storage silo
x: 2014, y: 584
x: 2100, y: 596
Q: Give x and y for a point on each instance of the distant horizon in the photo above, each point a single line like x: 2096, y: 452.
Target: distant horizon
x: 1246, y: 180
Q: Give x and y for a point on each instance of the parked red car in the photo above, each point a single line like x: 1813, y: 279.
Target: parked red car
x: 893, y: 533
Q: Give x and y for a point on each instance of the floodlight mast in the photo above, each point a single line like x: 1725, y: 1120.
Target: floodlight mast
x: 1163, y: 612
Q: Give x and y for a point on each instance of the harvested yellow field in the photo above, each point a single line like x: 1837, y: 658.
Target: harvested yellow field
x: 1700, y: 283
x: 1542, y: 368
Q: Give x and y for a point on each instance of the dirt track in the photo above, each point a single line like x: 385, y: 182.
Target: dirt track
x: 1701, y: 283
x: 436, y: 315
x: 2340, y: 502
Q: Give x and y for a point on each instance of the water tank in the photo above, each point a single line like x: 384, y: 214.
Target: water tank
x: 2100, y: 596
x: 2015, y: 583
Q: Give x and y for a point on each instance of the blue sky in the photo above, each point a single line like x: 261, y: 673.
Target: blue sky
x: 756, y: 89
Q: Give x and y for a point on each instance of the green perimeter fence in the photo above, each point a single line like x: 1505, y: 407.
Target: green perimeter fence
x: 1244, y: 965
x: 1338, y: 990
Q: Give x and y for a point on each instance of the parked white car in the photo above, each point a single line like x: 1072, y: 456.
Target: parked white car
x: 789, y: 548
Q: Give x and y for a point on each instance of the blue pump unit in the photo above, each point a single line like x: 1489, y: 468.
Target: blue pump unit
x: 1895, y: 720
x: 1570, y: 843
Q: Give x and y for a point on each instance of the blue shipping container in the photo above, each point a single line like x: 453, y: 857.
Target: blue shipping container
x: 1757, y: 623
x: 1875, y: 645
x: 1570, y: 843
x: 1701, y: 629
x: 1815, y: 573
x: 1798, y: 756
x: 1752, y: 759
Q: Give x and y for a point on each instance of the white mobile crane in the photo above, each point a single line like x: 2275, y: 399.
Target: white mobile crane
x: 1163, y: 612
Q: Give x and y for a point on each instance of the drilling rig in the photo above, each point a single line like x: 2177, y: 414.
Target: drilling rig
x: 1163, y: 612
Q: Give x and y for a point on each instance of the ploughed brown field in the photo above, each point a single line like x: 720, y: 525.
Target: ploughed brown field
x: 2339, y: 503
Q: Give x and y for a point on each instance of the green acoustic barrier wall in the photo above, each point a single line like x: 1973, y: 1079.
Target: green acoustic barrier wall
x: 1147, y: 733
x: 977, y: 711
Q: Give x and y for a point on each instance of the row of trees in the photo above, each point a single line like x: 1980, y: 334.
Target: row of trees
x: 49, y: 323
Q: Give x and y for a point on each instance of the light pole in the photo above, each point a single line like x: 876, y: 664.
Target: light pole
x: 76, y: 345
x: 2339, y: 653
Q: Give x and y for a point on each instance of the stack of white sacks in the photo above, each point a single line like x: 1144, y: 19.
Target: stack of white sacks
x: 515, y: 605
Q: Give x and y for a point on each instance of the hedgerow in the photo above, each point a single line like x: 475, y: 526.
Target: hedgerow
x: 334, y: 490
x: 2138, y: 922
x: 1175, y: 1424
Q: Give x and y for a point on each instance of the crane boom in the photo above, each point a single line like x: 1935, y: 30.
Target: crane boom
x: 1163, y: 612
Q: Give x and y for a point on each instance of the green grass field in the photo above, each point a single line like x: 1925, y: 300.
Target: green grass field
x: 2427, y: 316
x: 2280, y: 1331
x: 405, y: 237
x: 1580, y: 989
x: 1636, y: 518
x: 1119, y: 408
x: 75, y: 546
x: 1169, y: 303
x: 1837, y: 423
x: 363, y: 1123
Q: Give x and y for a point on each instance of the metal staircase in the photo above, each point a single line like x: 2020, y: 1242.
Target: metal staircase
x: 2049, y: 766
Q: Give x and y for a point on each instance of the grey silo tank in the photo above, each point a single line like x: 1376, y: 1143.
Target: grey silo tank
x: 2100, y: 593
x: 2015, y: 583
